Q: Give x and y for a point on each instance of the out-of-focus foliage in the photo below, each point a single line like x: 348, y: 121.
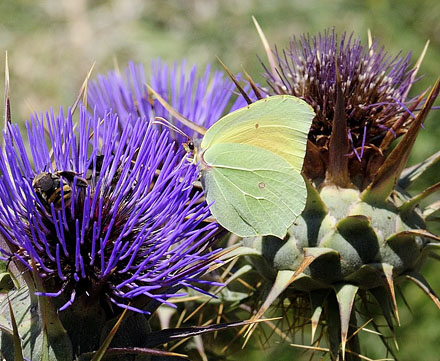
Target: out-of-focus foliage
x: 53, y: 43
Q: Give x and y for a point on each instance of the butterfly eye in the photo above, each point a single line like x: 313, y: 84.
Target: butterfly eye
x: 191, y: 145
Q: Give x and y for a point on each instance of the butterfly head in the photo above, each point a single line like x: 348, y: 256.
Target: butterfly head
x: 189, y: 146
x: 192, y: 148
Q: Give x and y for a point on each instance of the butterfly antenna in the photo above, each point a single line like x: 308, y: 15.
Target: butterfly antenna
x: 168, y: 124
x: 269, y: 54
x: 237, y: 84
x: 197, y: 128
x: 252, y: 84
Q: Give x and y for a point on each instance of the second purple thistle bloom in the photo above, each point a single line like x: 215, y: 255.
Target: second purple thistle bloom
x: 203, y: 99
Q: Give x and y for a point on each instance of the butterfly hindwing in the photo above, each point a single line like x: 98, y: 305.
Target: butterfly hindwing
x: 253, y: 191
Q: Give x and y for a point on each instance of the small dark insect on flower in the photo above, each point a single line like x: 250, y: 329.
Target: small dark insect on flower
x: 56, y: 187
x: 111, y: 217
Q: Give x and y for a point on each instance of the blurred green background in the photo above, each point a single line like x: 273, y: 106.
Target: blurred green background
x: 53, y: 43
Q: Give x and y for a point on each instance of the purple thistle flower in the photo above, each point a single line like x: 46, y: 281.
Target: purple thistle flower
x: 374, y: 85
x: 112, y: 216
x: 202, y: 99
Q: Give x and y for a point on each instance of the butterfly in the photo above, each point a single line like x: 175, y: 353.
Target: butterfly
x: 251, y: 161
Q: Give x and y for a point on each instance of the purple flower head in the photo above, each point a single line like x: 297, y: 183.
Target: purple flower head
x: 111, y: 216
x: 374, y: 86
x: 202, y: 99
x: 374, y: 83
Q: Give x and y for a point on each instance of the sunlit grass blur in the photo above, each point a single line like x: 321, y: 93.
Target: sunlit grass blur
x: 52, y: 44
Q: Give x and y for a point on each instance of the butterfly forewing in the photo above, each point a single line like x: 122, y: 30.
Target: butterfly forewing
x: 278, y: 124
